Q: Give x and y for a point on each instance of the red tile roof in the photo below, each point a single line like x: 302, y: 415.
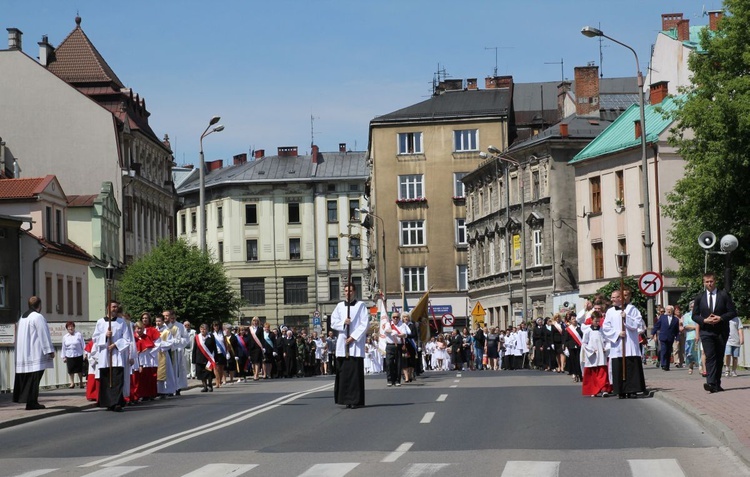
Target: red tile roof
x: 81, y: 200
x: 69, y: 249
x: 23, y: 188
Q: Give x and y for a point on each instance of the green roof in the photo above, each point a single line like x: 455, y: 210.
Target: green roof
x: 620, y: 135
x: 694, y: 41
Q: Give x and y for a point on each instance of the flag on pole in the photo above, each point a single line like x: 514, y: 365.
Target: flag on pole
x: 404, y: 304
x: 384, y: 323
x: 419, y: 315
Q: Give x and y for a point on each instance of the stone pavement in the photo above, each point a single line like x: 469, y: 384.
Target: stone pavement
x: 723, y: 414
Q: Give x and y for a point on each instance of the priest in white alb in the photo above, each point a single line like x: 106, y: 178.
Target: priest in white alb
x: 34, y: 353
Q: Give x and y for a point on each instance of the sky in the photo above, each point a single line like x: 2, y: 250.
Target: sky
x: 294, y: 72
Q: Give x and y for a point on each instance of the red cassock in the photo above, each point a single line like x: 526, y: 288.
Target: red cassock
x: 92, y: 384
x: 147, y: 377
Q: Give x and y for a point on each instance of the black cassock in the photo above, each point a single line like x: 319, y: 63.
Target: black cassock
x: 349, y: 387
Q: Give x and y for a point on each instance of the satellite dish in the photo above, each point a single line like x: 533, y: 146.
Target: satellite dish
x: 707, y: 240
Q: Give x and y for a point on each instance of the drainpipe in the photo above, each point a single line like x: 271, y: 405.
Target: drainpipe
x: 34, y: 266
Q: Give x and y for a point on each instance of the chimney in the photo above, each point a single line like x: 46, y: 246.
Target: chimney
x: 240, y: 159
x: 315, y: 153
x: 214, y: 165
x: 658, y: 91
x: 562, y: 91
x: 342, y: 147
x: 287, y: 151
x: 14, y: 38
x: 638, y: 130
x: 563, y: 130
x: 714, y: 17
x: 669, y: 21
x: 260, y: 153
x: 471, y: 84
x: 166, y: 142
x: 683, y: 30
x: 45, y: 51
x: 587, y: 90
x: 497, y: 82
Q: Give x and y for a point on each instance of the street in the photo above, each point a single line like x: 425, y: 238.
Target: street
x: 446, y: 424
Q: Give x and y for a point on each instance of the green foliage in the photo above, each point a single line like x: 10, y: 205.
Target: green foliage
x: 638, y: 299
x: 178, y: 276
x: 713, y: 136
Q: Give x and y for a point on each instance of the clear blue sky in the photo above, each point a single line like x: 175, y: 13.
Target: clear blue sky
x: 267, y: 67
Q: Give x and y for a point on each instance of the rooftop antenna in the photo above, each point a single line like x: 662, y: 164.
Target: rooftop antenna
x: 562, y: 67
x: 494, y: 73
x: 312, y: 129
x: 437, y: 77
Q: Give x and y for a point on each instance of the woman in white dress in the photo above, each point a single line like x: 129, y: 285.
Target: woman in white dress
x: 377, y: 355
x: 368, y: 356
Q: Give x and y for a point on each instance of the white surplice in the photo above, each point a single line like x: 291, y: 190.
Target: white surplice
x: 33, y: 344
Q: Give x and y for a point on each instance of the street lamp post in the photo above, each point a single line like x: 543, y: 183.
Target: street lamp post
x: 592, y: 32
x: 202, y: 176
x: 500, y: 155
x: 363, y: 210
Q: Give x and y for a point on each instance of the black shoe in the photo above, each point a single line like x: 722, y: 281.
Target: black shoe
x: 118, y: 408
x: 632, y: 395
x: 204, y: 390
x: 348, y: 406
x: 177, y: 393
x: 710, y: 388
x: 621, y: 396
x: 719, y: 389
x: 34, y: 407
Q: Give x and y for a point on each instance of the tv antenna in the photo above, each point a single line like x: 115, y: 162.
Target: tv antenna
x: 496, y: 48
x: 562, y: 67
x: 312, y: 129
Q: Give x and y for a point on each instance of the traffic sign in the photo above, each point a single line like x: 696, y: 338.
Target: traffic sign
x: 478, y: 310
x: 316, y: 314
x: 651, y: 283
x: 448, y: 319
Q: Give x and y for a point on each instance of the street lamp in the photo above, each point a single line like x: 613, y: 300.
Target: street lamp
x: 365, y: 211
x: 592, y: 32
x: 500, y: 155
x: 202, y: 192
x: 109, y: 276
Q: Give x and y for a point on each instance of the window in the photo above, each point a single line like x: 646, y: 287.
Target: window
x: 461, y: 232
x: 60, y: 295
x: 331, y: 187
x: 355, y: 248
x: 465, y: 140
x: 410, y: 143
x: 536, y: 191
x: 251, y: 214
x: 459, y: 189
x: 58, y: 226
x: 293, y: 210
x: 193, y: 222
x: 503, y: 254
x: 127, y: 213
x: 410, y: 187
x: 295, y: 290
x: 537, y: 248
x: 70, y: 295
x: 514, y: 189
x: 251, y: 248
x: 253, y: 290
x: 620, y: 187
x: 333, y: 249
x: 48, y: 223
x: 220, y: 217
x: 462, y: 281
x: 598, y: 259
x: 357, y: 281
x: 183, y: 224
x: 79, y: 298
x: 48, y: 293
x: 334, y: 288
x: 220, y: 251
x: 414, y: 279
x: 333, y: 211
x: 595, y: 185
x: 412, y: 233
x: 3, y: 300
x: 294, y: 249
x: 354, y: 210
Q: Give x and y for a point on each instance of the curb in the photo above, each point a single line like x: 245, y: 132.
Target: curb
x: 31, y: 417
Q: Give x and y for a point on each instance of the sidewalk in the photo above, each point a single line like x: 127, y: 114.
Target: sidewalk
x: 724, y: 414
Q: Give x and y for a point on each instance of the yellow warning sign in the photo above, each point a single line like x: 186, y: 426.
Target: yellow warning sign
x: 478, y: 311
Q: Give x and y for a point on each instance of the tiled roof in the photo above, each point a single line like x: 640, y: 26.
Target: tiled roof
x: 77, y: 60
x: 453, y: 104
x: 27, y: 188
x: 694, y: 42
x: 69, y: 249
x: 620, y: 135
x: 579, y: 127
x: 81, y: 200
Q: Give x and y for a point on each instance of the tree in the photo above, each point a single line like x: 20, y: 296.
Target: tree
x: 638, y: 299
x: 712, y: 134
x: 177, y: 276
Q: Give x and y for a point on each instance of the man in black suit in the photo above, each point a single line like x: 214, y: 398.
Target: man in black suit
x: 666, y: 330
x: 712, y: 311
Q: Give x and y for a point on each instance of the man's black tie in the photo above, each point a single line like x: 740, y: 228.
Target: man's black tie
x: 711, y: 301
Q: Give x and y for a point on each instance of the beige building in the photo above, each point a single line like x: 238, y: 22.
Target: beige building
x: 419, y: 155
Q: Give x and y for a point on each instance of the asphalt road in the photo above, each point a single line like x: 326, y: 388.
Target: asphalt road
x: 523, y: 423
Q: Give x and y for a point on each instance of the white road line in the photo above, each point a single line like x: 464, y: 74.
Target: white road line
x: 454, y: 385
x: 660, y: 467
x: 427, y: 418
x: 36, y: 473
x: 442, y: 397
x: 525, y: 468
x: 114, y: 471
x: 458, y: 375
x: 400, y: 450
x: 456, y: 380
x: 163, y: 443
x: 330, y: 470
x: 418, y: 470
x: 219, y: 470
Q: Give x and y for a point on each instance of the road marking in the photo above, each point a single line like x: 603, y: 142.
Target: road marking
x: 660, y: 467
x: 114, y: 471
x: 169, y: 441
x: 456, y: 380
x: 454, y: 385
x: 417, y: 470
x: 36, y: 473
x: 217, y: 470
x: 458, y: 375
x: 442, y: 397
x: 400, y: 450
x: 330, y: 470
x: 525, y: 468
x: 427, y: 418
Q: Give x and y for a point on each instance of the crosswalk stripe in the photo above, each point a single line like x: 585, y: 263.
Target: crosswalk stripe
x: 418, y: 470
x: 660, y: 467
x: 427, y: 418
x: 217, y: 470
x: 115, y: 471
x: 330, y: 470
x: 442, y: 397
x: 525, y: 468
x: 36, y: 473
x: 454, y: 385
x: 400, y: 450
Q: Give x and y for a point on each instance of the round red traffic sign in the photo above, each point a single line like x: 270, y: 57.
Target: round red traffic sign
x: 651, y: 283
x: 448, y: 319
